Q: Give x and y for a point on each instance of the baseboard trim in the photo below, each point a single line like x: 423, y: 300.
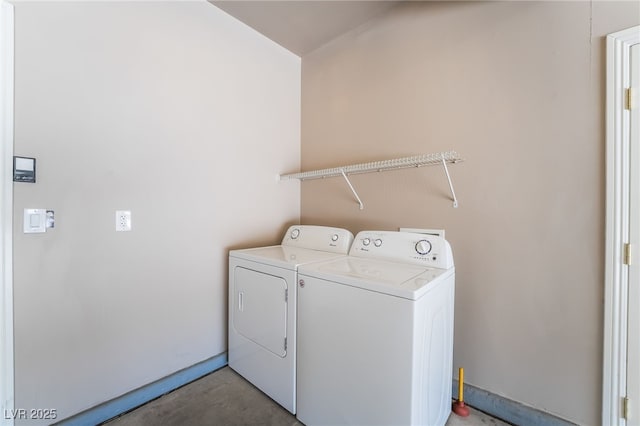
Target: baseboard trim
x: 492, y: 404
x: 113, y: 408
x: 506, y: 409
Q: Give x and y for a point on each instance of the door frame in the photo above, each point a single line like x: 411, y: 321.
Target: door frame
x: 617, y: 225
x: 6, y: 211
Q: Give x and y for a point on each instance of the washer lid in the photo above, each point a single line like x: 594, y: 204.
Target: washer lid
x: 397, y: 279
x: 284, y: 256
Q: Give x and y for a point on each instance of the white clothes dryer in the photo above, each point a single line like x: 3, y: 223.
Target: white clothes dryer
x: 375, y: 333
x: 262, y: 306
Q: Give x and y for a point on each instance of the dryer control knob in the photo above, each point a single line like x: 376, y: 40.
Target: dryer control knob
x: 295, y: 233
x: 366, y: 242
x: 423, y: 247
x: 334, y: 237
x: 377, y: 242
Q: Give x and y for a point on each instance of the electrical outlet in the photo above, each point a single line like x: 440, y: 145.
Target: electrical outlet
x: 123, y: 220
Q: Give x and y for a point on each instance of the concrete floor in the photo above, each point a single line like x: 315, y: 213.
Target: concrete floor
x: 224, y: 398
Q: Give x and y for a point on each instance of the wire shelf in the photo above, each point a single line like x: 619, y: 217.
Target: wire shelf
x: 438, y: 158
x: 378, y: 166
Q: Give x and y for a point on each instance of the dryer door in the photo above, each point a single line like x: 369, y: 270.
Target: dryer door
x: 260, y: 309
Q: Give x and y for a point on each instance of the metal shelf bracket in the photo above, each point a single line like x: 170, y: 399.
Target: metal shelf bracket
x: 453, y: 193
x: 344, y: 175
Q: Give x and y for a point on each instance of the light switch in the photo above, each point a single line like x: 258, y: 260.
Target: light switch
x: 34, y: 220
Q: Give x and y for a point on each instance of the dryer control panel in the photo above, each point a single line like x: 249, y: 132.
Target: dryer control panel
x: 325, y: 238
x: 408, y: 247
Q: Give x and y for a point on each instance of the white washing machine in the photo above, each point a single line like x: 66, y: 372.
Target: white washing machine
x: 262, y: 306
x: 375, y: 333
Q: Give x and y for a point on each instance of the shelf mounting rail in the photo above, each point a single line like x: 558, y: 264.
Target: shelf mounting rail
x: 439, y: 158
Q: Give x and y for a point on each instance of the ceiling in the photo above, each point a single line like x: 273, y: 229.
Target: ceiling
x: 303, y: 26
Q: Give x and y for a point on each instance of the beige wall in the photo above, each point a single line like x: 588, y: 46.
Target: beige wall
x: 174, y: 111
x: 517, y: 88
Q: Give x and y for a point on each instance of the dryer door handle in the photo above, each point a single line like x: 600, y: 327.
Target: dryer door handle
x: 241, y: 301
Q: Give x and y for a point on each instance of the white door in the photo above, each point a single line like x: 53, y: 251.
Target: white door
x: 260, y: 309
x: 633, y: 337
x: 6, y: 211
x: 621, y: 355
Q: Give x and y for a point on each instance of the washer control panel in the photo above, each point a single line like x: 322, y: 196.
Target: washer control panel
x: 406, y: 247
x: 325, y: 238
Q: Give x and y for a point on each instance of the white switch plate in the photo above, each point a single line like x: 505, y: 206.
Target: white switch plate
x: 123, y: 220
x: 34, y: 221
